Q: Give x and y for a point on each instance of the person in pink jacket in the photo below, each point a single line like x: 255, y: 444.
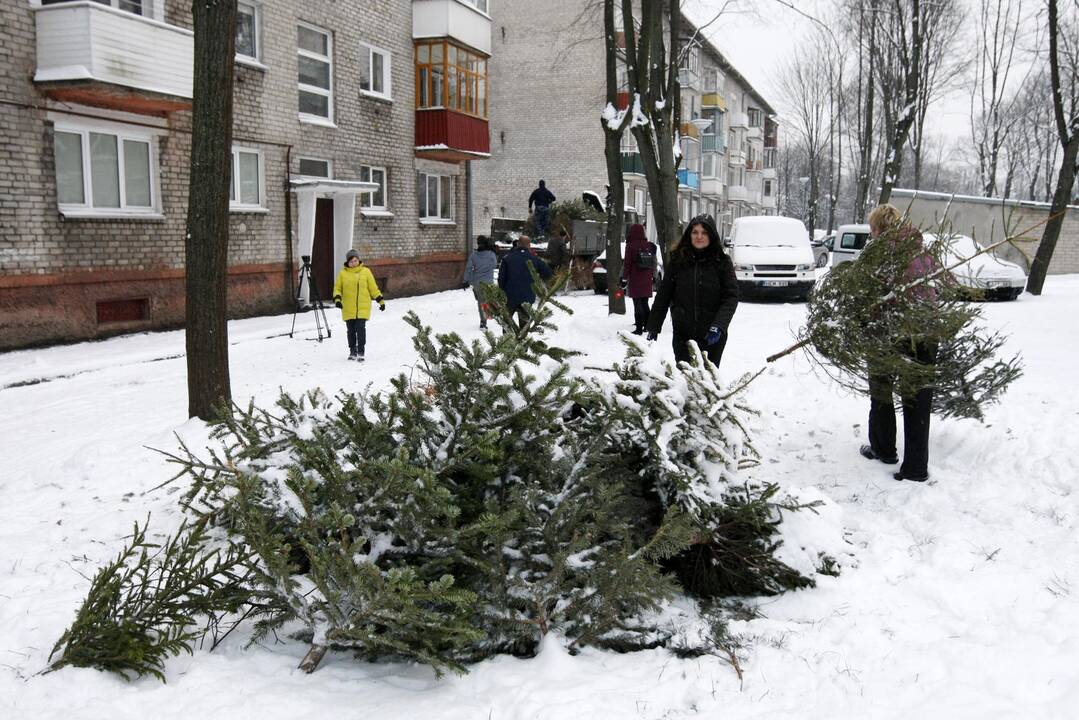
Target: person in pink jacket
x: 638, y: 271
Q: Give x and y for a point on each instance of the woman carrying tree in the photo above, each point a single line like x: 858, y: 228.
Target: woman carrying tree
x: 899, y: 261
x: 701, y: 291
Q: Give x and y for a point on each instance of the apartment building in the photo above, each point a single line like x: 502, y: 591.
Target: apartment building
x: 354, y: 127
x: 548, y: 89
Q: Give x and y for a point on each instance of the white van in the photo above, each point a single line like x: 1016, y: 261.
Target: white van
x: 847, y: 243
x: 772, y: 256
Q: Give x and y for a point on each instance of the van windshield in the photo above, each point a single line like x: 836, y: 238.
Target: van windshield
x: 771, y: 235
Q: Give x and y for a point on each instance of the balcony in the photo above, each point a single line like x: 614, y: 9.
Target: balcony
x: 455, y: 19
x: 451, y: 136
x: 712, y: 186
x: 714, y: 100
x: 738, y: 120
x: 739, y: 193
x: 689, y: 179
x: 96, y: 55
x: 632, y: 163
x: 754, y: 166
x: 754, y: 133
x: 768, y: 173
x: 768, y: 202
x: 736, y: 157
x: 689, y: 130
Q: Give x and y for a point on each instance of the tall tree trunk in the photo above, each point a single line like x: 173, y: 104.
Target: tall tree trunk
x: 912, y: 70
x: 1057, y: 211
x: 612, y: 148
x: 206, y: 246
x: 866, y: 141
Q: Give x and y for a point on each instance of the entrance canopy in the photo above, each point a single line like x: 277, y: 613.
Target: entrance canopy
x: 343, y: 193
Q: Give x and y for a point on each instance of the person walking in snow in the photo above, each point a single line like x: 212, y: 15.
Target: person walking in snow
x: 480, y: 272
x: 638, y: 271
x: 353, y: 292
x: 515, y: 279
x: 700, y: 289
x: 542, y: 199
x: 904, y: 244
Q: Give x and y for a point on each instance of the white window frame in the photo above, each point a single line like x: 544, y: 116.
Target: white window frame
x: 437, y: 219
x: 256, y: 11
x: 234, y: 175
x: 151, y: 9
x: 329, y: 166
x: 314, y: 89
x: 387, y: 72
x: 475, y: 5
x: 370, y: 196
x: 83, y: 128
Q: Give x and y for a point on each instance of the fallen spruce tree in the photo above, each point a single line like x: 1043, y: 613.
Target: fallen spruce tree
x: 484, y: 500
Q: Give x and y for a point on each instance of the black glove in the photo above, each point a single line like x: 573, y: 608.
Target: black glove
x: 464, y: 286
x: 623, y: 283
x: 652, y: 335
x: 714, y: 335
x: 381, y: 303
x: 337, y: 301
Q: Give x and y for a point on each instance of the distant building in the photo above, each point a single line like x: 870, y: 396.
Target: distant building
x: 353, y: 125
x: 548, y: 89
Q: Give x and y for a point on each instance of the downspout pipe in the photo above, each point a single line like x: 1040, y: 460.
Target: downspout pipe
x: 290, y: 276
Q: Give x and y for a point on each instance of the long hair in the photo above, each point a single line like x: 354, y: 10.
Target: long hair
x: 683, y: 249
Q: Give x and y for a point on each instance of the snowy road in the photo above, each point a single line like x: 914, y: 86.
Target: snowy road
x: 963, y: 600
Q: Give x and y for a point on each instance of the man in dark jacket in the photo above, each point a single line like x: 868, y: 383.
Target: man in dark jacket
x: 542, y: 199
x: 701, y: 291
x: 515, y: 279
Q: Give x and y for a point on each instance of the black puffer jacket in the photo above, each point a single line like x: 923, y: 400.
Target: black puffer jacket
x: 701, y: 291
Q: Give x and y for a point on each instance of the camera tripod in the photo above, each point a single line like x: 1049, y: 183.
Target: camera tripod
x: 315, y: 300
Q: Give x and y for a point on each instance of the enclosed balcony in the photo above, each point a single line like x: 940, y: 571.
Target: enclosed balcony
x: 689, y: 178
x: 451, y: 102
x: 464, y: 21
x: 94, y: 54
x: 714, y: 100
x: 632, y: 163
x: 739, y: 193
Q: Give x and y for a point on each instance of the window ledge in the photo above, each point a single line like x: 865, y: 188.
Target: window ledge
x: 79, y: 214
x: 248, y: 209
x: 428, y: 221
x: 376, y: 213
x: 251, y: 63
x: 316, y: 120
x: 376, y: 96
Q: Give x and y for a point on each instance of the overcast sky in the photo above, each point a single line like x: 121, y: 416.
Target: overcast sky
x: 759, y: 42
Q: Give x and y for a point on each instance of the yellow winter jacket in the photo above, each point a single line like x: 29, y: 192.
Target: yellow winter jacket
x: 354, y: 288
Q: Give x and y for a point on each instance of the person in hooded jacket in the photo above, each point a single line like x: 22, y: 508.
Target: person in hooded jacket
x: 515, y: 279
x: 480, y: 271
x: 637, y: 275
x: 353, y: 292
x: 701, y: 291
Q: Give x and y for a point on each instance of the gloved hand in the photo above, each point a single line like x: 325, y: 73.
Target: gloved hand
x: 337, y: 301
x: 381, y: 303
x: 623, y: 283
x: 652, y: 336
x: 714, y: 335
x: 464, y: 286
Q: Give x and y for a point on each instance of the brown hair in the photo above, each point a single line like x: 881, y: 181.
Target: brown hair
x: 885, y: 217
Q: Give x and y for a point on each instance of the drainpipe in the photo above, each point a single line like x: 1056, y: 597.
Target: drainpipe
x: 468, y: 208
x: 289, y: 279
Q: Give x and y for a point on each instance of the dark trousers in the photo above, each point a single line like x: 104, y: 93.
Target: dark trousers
x: 522, y: 315
x: 357, y: 335
x: 714, y: 353
x: 916, y: 410
x: 542, y: 217
x: 640, y: 313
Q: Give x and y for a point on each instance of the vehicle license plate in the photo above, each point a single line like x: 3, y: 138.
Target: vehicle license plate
x: 997, y: 283
x: 775, y: 283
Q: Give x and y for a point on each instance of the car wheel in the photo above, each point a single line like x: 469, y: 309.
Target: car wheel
x: 822, y: 261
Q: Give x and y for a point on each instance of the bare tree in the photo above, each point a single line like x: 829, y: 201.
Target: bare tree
x: 805, y: 85
x: 614, y: 127
x: 1034, y: 147
x: 997, y: 31
x: 1064, y: 83
x: 206, y: 247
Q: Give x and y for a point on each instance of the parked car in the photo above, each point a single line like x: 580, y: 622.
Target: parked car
x: 982, y: 277
x: 772, y: 257
x: 820, y: 248
x: 847, y: 243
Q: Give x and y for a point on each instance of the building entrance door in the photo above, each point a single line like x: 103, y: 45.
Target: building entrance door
x: 322, y: 259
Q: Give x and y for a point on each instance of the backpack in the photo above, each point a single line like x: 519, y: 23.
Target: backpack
x: 646, y: 259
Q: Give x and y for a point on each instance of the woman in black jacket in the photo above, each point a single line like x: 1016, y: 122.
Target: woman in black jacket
x: 700, y: 289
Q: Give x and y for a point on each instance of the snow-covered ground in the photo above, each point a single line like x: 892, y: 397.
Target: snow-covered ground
x: 962, y: 600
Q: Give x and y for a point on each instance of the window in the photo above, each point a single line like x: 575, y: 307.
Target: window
x: 451, y: 77
x: 480, y: 5
x: 755, y: 117
x: 246, y: 189
x: 435, y: 196
x: 105, y: 170
x: 767, y: 188
x: 374, y: 71
x: 314, y: 167
x: 375, y: 200
x: 709, y: 165
x: 248, y: 31
x: 639, y: 201
x: 131, y: 6
x: 315, y: 48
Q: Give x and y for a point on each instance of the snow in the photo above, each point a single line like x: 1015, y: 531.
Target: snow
x: 957, y: 599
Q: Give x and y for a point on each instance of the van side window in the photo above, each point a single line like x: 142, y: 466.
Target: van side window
x: 852, y: 241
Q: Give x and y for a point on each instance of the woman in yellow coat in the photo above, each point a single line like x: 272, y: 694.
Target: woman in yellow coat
x: 353, y: 292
